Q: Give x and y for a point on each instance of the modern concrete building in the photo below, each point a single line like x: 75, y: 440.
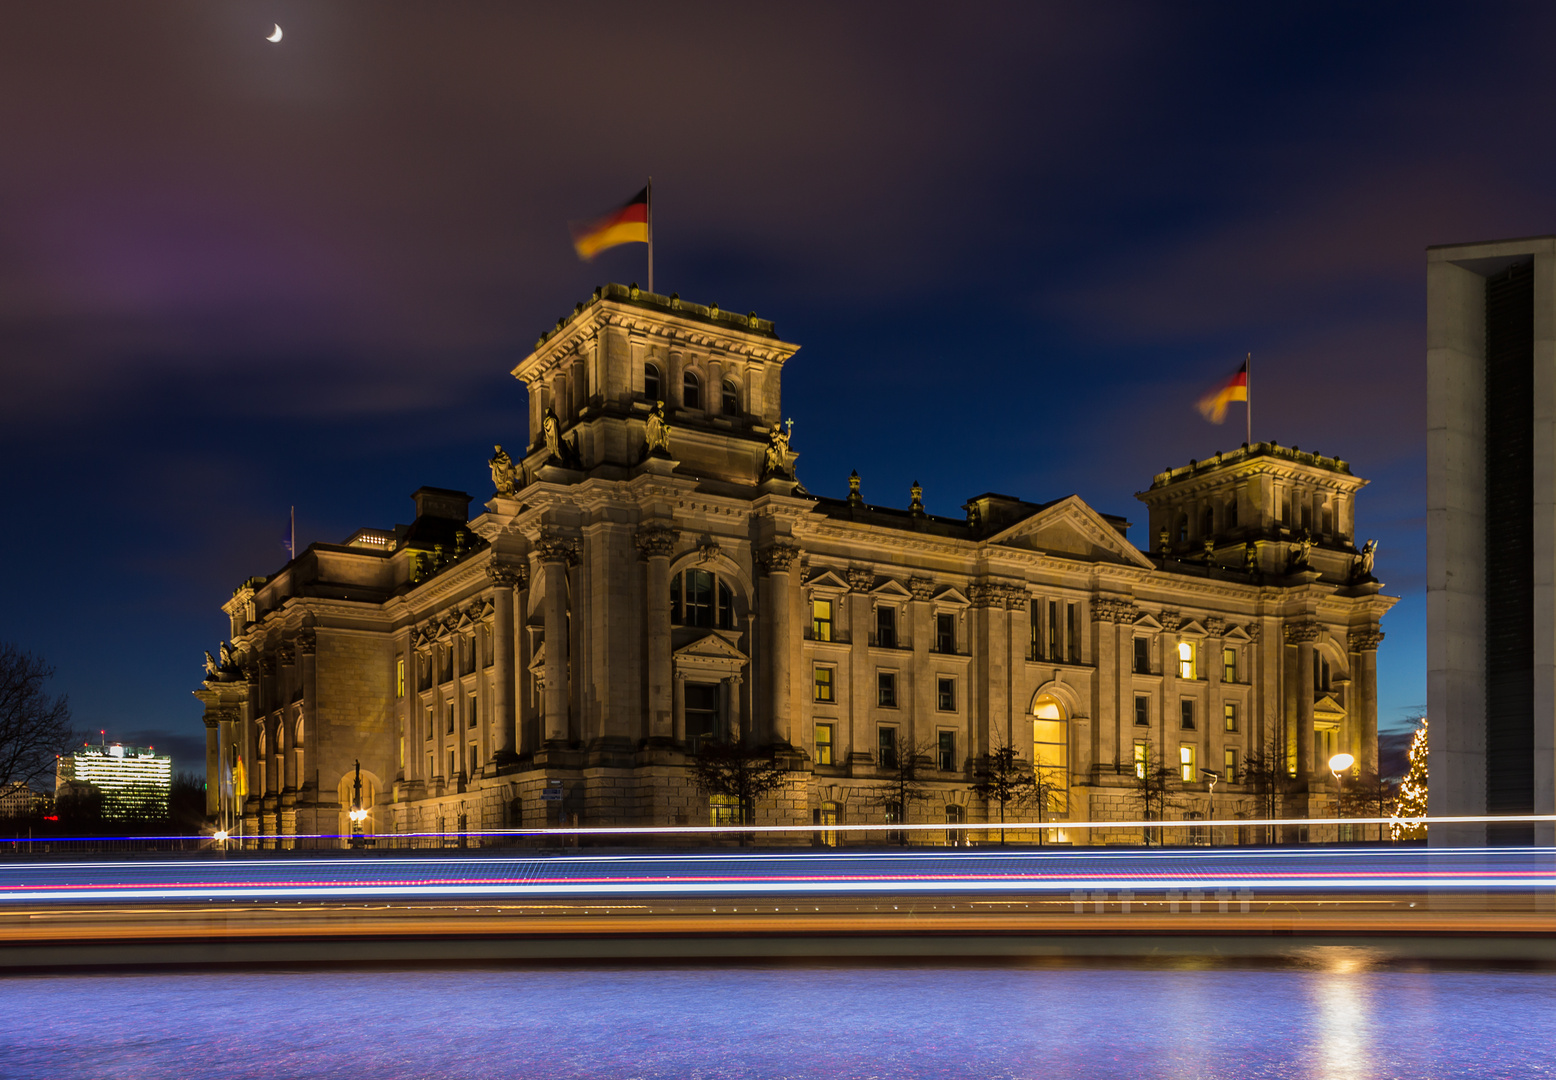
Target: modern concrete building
x: 1491, y: 534
x: 132, y: 781
x: 649, y: 575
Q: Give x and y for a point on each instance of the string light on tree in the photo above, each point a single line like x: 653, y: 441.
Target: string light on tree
x: 1410, y: 806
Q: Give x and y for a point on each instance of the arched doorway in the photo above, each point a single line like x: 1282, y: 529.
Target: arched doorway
x: 1051, y: 753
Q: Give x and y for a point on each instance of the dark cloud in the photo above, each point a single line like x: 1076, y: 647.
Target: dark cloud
x: 1015, y: 241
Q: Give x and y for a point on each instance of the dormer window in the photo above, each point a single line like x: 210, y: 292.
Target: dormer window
x: 731, y: 401
x: 691, y: 391
x: 653, y: 389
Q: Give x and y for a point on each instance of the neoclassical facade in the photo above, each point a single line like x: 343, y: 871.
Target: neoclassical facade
x: 648, y: 574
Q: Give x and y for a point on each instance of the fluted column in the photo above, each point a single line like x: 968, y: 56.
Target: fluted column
x: 778, y: 561
x: 1303, y: 635
x: 1364, y: 680
x: 505, y: 578
x: 657, y: 543
x: 555, y: 554
x: 213, y: 785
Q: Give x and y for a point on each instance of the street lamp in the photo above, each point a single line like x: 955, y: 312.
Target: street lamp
x: 357, y: 815
x: 1337, y: 765
x: 1214, y: 777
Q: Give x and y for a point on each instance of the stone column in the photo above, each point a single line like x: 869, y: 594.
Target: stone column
x: 679, y: 697
x: 779, y: 561
x: 1302, y: 635
x: 555, y: 554
x: 734, y: 705
x: 505, y: 578
x: 1364, y: 680
x: 657, y: 543
x: 213, y: 770
x: 1115, y: 705
x: 307, y: 652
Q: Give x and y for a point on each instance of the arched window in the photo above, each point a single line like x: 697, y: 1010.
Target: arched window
x: 955, y: 815
x: 731, y: 402
x: 1231, y: 513
x: 297, y: 753
x: 698, y: 598
x: 1208, y: 524
x: 263, y: 771
x: 653, y: 389
x: 691, y: 391
x: 1051, y: 753
x: 1183, y: 528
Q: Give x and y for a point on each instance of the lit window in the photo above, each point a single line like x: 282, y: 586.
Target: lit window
x: 1186, y: 660
x: 1142, y: 759
x: 1051, y: 752
x: 1229, y: 766
x: 886, y: 689
x: 723, y: 810
x: 823, y: 684
x: 821, y: 620
x: 1186, y: 764
x: 1229, y: 665
x: 691, y: 391
x: 1229, y: 715
x: 399, y: 677
x: 946, y: 694
x: 823, y: 744
x: 826, y: 815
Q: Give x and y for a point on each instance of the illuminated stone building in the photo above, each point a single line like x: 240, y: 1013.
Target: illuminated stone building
x: 649, y: 574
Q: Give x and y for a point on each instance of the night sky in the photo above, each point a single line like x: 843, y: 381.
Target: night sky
x: 1016, y: 243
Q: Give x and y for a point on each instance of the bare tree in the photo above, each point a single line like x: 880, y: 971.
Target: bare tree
x: 902, y: 785
x: 1266, y: 777
x: 1367, y: 795
x: 1002, y: 778
x: 738, y: 771
x: 34, y: 728
x: 1155, y: 782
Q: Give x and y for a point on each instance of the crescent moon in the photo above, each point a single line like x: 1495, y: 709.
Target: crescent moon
x: 276, y: 36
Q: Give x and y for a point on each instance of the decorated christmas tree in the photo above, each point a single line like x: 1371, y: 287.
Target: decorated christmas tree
x: 1410, y: 806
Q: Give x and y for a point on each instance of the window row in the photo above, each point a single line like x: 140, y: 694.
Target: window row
x: 1188, y: 769
x: 440, y: 663
x: 823, y: 627
x: 1187, y: 659
x: 699, y: 598
x: 824, y: 688
x: 886, y: 747
x: 691, y: 390
x: 1062, y: 622
x: 1187, y: 713
x: 451, y: 717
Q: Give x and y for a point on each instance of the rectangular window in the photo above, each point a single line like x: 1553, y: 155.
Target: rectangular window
x: 1053, y: 630
x: 474, y: 758
x: 823, y: 684
x: 699, y: 594
x: 450, y: 718
x: 1034, y: 629
x: 1188, y: 714
x: 821, y: 620
x: 1142, y: 711
x: 945, y: 632
x: 945, y: 751
x: 1229, y: 715
x: 1186, y: 764
x: 945, y: 695
x: 1229, y: 766
x: 1229, y: 665
x: 1142, y: 759
x: 453, y: 770
x: 886, y: 747
x: 1142, y: 656
x: 886, y: 689
x: 823, y: 744
x: 399, y: 677
x: 430, y: 772
x: 886, y: 627
x: 1186, y: 669
x: 1072, y: 618
x: 402, y: 755
x: 471, y: 716
x: 430, y: 724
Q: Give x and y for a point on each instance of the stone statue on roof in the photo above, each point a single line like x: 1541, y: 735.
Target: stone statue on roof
x: 775, y: 459
x: 1302, y: 553
x: 1364, y: 561
x: 504, y: 472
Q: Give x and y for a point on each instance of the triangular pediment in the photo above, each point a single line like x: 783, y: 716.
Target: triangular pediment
x: 710, y: 647
x: 1069, y: 528
x: 537, y: 662
x: 1192, y: 626
x: 1149, y: 621
x: 1327, y: 704
x: 948, y: 595
x: 892, y: 590
x: 1237, y: 633
x: 826, y: 579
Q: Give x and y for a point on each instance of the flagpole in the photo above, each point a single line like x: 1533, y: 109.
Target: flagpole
x: 1248, y: 396
x: 650, y: 234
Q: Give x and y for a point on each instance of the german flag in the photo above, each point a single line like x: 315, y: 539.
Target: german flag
x: 629, y: 225
x: 1214, y: 404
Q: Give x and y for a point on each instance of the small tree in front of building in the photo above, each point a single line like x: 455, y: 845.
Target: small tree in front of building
x: 1265, y: 776
x: 1366, y: 795
x: 739, y: 774
x: 1410, y: 804
x: 1155, y: 783
x: 901, y: 785
x: 1002, y: 779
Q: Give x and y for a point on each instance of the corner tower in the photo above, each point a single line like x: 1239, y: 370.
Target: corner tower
x: 604, y: 370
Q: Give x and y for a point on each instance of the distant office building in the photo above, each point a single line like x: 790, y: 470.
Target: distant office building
x: 132, y: 781
x: 1491, y: 534
x: 18, y: 800
x: 649, y: 574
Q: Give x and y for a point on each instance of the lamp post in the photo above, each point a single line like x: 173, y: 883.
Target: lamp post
x: 1214, y: 777
x: 358, y: 815
x: 1337, y: 765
